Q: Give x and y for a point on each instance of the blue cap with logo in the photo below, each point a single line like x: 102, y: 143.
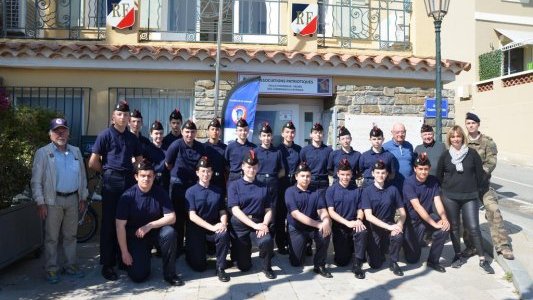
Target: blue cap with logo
x: 58, y: 122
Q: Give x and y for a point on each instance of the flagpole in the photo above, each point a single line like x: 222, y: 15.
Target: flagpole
x: 217, y: 63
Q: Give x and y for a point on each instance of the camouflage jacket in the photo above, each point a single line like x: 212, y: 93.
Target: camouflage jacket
x: 486, y: 148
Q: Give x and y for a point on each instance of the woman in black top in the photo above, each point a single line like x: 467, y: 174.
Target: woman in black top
x: 460, y: 172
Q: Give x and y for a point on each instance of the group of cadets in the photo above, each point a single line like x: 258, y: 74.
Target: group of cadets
x: 211, y: 198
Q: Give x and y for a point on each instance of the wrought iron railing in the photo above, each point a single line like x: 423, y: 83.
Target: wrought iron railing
x: 54, y: 19
x: 243, y: 21
x: 372, y: 24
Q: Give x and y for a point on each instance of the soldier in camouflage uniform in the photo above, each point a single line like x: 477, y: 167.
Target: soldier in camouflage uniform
x: 486, y: 148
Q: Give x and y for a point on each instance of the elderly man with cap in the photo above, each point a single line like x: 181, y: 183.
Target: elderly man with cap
x: 175, y: 119
x: 112, y: 154
x: 431, y: 147
x: 290, y: 155
x: 251, y: 217
x: 144, y: 218
x: 237, y: 149
x: 316, y: 156
x: 59, y: 187
x: 155, y: 153
x: 181, y: 159
x: 345, y: 152
x: 136, y: 124
x: 403, y: 152
x: 215, y: 150
x: 487, y: 150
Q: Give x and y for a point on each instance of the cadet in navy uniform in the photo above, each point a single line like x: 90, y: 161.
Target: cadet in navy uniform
x: 144, y: 217
x: 422, y: 193
x: 349, y: 233
x: 176, y: 120
x: 156, y: 155
x: 251, y: 216
x: 215, y: 150
x: 237, y: 149
x: 135, y: 124
x: 346, y: 151
x: 290, y: 154
x: 316, y: 156
x: 376, y: 152
x: 208, y: 222
x: 380, y: 203
x: 181, y: 159
x: 307, y: 220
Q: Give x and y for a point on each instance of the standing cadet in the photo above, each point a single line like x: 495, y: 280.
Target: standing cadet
x: 403, y: 152
x: 307, y: 220
x: 381, y: 201
x: 349, y: 233
x: 181, y: 159
x: 175, y: 119
x: 432, y: 148
x: 487, y: 150
x: 156, y: 155
x: 251, y: 217
x: 426, y: 215
x: 370, y: 157
x: 112, y: 153
x: 144, y: 218
x: 237, y: 149
x: 316, y: 156
x: 135, y: 124
x: 346, y: 151
x: 208, y: 222
x: 215, y: 149
x: 290, y: 154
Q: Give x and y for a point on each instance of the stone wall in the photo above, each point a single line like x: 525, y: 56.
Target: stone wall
x: 204, y: 103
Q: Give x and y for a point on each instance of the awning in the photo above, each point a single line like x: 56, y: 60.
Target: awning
x: 514, y: 38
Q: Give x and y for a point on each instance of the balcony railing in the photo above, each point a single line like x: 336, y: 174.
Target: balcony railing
x: 54, y: 19
x: 381, y: 24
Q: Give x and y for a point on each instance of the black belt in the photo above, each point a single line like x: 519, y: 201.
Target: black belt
x: 267, y: 175
x: 60, y: 194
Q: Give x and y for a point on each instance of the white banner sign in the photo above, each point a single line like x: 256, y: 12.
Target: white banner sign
x: 293, y: 85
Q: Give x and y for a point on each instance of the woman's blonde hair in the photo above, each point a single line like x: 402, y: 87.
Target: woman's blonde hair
x: 455, y: 130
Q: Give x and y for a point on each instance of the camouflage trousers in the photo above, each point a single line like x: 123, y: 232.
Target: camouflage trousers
x: 498, y: 233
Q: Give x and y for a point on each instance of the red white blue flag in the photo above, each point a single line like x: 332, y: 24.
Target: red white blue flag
x: 304, y: 19
x: 121, y: 15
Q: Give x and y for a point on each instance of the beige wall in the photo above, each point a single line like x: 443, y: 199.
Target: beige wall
x: 502, y: 7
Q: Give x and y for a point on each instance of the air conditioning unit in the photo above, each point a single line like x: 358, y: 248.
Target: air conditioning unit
x: 464, y: 91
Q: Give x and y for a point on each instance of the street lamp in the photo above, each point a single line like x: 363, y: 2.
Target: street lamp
x: 437, y: 9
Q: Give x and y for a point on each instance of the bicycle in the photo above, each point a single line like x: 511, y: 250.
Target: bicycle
x: 88, y: 219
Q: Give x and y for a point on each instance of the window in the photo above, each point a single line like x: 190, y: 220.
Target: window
x: 513, y: 61
x: 252, y: 18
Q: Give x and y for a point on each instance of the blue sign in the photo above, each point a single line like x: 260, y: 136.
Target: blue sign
x: 241, y: 102
x: 431, y: 108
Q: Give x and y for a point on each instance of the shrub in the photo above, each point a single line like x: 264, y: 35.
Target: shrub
x: 490, y: 65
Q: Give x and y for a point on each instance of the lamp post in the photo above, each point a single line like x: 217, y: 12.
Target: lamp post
x: 437, y: 9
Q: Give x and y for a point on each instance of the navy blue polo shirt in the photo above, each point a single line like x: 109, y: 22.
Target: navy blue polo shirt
x: 156, y: 156
x: 344, y: 200
x: 251, y: 197
x: 369, y: 158
x: 336, y: 156
x: 140, y: 208
x: 169, y: 139
x: 145, y: 143
x: 206, y: 202
x: 316, y: 158
x: 383, y: 202
x: 235, y: 152
x: 307, y: 202
x: 270, y: 161
x: 215, y: 153
x: 117, y: 149
x: 290, y: 156
x: 184, y: 159
x: 425, y: 192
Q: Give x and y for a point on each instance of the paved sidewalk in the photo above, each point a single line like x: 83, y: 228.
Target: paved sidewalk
x: 25, y: 280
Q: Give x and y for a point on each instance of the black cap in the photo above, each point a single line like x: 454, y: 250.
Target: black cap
x: 302, y: 167
x: 250, y: 158
x: 344, y: 165
x: 242, y: 123
x: 317, y: 127
x: 265, y: 128
x: 156, y: 126
x: 214, y: 123
x: 343, y: 131
x: 136, y: 114
x: 426, y: 128
x: 473, y: 117
x: 123, y: 106
x: 204, y: 162
x: 58, y: 122
x: 176, y: 115
x: 289, y: 125
x: 189, y: 125
x: 422, y: 160
x: 379, y: 165
x: 144, y: 165
x: 376, y: 132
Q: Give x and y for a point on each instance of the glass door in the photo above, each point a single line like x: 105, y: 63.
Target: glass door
x: 276, y: 116
x: 309, y: 115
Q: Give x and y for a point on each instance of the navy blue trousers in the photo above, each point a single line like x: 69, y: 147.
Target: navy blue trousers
x: 298, y: 242
x: 177, y: 195
x: 348, y: 244
x: 196, y: 248
x: 281, y: 236
x: 381, y: 242
x: 242, y: 237
x: 414, y: 240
